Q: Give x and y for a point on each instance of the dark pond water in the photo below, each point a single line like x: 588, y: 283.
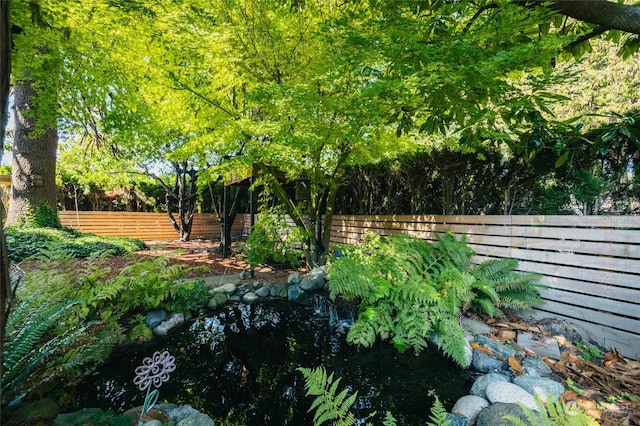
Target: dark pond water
x: 238, y: 365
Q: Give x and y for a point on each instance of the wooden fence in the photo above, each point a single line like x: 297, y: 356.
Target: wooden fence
x: 591, y: 264
x: 145, y: 226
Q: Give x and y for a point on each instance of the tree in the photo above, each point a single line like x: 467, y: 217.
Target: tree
x: 310, y: 88
x: 33, y: 182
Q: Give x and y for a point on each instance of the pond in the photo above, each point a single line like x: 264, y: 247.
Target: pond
x: 238, y: 365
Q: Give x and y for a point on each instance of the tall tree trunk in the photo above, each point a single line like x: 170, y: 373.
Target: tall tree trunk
x: 33, y: 174
x: 5, y: 75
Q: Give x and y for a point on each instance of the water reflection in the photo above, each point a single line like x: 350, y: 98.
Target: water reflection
x: 239, y: 366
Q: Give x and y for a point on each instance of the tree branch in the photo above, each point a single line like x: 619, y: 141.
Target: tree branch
x: 612, y: 16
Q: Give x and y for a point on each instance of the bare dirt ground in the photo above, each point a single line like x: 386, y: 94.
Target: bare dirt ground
x: 607, y: 388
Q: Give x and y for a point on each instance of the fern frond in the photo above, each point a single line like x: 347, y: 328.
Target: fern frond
x: 555, y: 413
x: 438, y: 415
x: 21, y: 344
x: 328, y: 405
x: 389, y: 420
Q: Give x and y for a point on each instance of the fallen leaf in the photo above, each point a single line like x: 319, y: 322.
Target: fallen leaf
x: 515, y: 365
x: 562, y: 341
x: 589, y: 407
x: 569, y: 396
x: 481, y: 348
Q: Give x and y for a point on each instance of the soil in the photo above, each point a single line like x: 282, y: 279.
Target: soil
x: 607, y: 387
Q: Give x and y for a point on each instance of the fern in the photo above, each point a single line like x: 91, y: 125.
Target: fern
x: 23, y: 350
x: 438, y: 414
x: 407, y: 287
x: 556, y: 413
x: 497, y: 285
x: 389, y: 420
x: 329, y: 404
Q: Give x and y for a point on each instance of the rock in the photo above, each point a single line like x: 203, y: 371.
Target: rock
x: 41, y: 411
x: 87, y: 416
x: 570, y: 331
x: 510, y: 393
x: 485, y: 363
x: 225, y: 288
x: 264, y: 291
x: 217, y: 300
x: 479, y: 387
x: 540, y: 387
x: 296, y: 294
x: 294, y: 278
x: 474, y: 327
x: 279, y: 290
x: 175, y: 320
x: 498, y: 349
x: 535, y: 366
x: 165, y: 407
x: 320, y: 271
x: 250, y: 297
x: 454, y: 420
x: 235, y: 298
x: 468, y: 355
x: 243, y: 289
x: 155, y: 317
x: 179, y: 413
x: 543, y: 346
x: 312, y: 282
x: 154, y: 422
x: 494, y: 415
x: 197, y: 419
x: 469, y: 406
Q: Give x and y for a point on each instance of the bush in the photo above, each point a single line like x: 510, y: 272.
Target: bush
x: 273, y: 240
x: 410, y: 290
x: 27, y: 242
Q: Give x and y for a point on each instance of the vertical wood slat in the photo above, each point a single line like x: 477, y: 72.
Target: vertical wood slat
x: 591, y: 264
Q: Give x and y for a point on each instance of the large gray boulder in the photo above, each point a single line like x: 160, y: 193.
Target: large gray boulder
x: 494, y: 414
x: 469, y: 406
x: 541, y: 387
x: 479, y: 387
x: 510, y: 393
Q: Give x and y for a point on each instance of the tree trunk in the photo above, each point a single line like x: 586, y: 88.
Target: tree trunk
x: 5, y: 74
x: 227, y: 222
x: 184, y: 195
x: 33, y: 177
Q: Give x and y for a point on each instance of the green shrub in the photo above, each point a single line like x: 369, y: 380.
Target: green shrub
x: 189, y: 296
x: 26, y: 242
x: 410, y: 290
x: 272, y: 240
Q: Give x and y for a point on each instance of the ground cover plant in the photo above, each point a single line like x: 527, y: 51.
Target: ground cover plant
x: 411, y: 291
x: 68, y: 314
x: 24, y: 242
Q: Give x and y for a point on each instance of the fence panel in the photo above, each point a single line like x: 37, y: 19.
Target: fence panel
x: 591, y: 264
x: 145, y: 226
